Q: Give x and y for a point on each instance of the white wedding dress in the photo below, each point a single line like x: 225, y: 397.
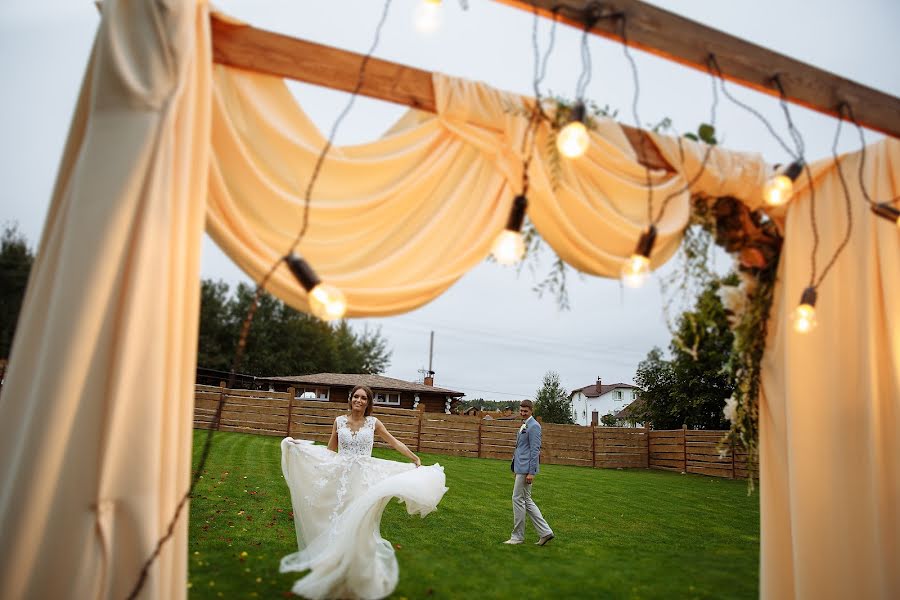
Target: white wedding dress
x: 338, y: 499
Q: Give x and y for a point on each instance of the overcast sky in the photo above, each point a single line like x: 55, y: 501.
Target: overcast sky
x: 494, y: 338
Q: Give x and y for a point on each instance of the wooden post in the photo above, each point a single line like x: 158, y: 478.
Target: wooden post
x: 419, y: 430
x: 684, y: 445
x: 480, y: 421
x: 647, y: 439
x: 291, y: 393
x: 593, y: 445
x: 221, y: 402
x: 733, y: 475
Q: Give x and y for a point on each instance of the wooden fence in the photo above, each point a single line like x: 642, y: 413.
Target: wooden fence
x: 697, y: 451
x: 280, y: 414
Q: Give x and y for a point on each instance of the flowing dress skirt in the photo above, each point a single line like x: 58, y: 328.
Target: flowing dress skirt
x: 338, y: 500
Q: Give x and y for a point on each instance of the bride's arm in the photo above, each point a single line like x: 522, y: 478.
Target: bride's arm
x: 333, y: 441
x: 394, y: 443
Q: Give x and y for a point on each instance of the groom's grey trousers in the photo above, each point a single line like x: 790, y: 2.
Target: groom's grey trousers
x: 522, y: 505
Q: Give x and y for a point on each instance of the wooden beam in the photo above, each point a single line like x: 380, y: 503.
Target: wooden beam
x: 246, y: 47
x: 689, y: 43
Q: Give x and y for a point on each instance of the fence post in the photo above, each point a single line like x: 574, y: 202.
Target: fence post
x: 731, y: 445
x: 419, y: 429
x: 222, y: 385
x: 291, y: 392
x: 593, y: 446
x: 684, y: 445
x: 480, y: 421
x: 647, y: 439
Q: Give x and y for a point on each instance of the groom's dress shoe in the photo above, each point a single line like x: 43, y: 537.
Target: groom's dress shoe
x: 512, y: 541
x: 544, y: 540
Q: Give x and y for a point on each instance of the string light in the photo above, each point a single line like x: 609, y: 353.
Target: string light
x: 780, y: 187
x: 573, y: 140
x: 637, y: 268
x: 803, y: 318
x: 509, y: 246
x: 325, y: 301
x: 886, y: 211
x: 427, y: 17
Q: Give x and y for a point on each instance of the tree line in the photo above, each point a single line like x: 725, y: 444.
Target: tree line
x: 282, y: 341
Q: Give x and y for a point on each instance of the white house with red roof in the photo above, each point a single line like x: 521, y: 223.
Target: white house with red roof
x: 591, y: 402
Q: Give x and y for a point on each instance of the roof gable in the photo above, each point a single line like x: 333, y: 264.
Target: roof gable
x: 591, y: 390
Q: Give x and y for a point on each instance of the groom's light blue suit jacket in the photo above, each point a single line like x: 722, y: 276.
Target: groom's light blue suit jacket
x: 526, y: 458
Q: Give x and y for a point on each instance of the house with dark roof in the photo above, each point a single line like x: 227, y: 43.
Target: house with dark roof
x: 630, y: 416
x: 395, y: 393
x: 591, y: 402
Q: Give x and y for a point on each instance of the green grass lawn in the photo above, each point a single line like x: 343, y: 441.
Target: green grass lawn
x: 620, y: 533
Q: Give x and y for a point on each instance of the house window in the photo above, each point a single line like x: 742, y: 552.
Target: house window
x: 618, y: 394
x: 312, y: 393
x: 390, y: 398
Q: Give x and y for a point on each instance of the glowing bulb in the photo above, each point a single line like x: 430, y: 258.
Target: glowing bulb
x: 778, y: 190
x: 428, y: 16
x: 509, y: 247
x: 573, y: 140
x: 804, y: 318
x: 327, y: 302
x: 635, y: 271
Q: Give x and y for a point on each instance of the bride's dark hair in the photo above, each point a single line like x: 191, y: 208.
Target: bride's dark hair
x: 369, y: 395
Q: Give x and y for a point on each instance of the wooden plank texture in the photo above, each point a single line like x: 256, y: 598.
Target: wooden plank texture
x: 690, y: 43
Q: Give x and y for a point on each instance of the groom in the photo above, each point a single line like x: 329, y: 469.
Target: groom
x: 525, y: 466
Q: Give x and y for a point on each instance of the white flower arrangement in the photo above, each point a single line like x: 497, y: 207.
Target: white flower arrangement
x: 729, y: 410
x: 522, y: 428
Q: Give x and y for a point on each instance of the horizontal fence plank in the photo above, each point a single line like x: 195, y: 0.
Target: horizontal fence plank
x: 577, y: 462
x: 443, y: 425
x: 665, y: 448
x: 473, y: 446
x: 664, y: 455
x: 245, y: 398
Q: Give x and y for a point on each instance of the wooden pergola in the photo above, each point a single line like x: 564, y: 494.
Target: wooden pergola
x: 648, y: 28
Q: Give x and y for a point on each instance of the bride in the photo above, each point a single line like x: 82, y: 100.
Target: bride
x: 338, y: 499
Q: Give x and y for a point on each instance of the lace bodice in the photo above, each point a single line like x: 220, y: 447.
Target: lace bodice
x: 355, y: 443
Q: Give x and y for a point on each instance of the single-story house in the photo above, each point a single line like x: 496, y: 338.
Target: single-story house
x: 396, y: 393
x: 629, y: 416
x: 591, y: 402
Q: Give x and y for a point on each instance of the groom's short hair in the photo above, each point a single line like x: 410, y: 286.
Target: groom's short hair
x: 528, y: 404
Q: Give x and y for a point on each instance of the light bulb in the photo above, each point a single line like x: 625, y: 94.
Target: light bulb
x: 886, y: 211
x: 804, y: 318
x: 327, y: 302
x: 428, y: 16
x: 778, y: 190
x: 509, y: 247
x: 573, y: 140
x: 635, y: 271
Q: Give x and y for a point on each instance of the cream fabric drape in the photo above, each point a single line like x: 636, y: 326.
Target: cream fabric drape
x: 830, y: 411
x: 395, y: 222
x: 95, y: 432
